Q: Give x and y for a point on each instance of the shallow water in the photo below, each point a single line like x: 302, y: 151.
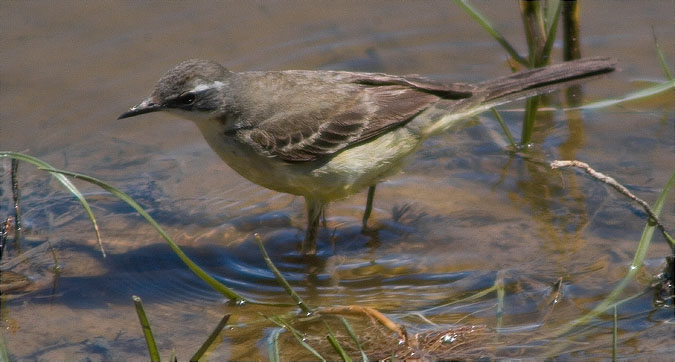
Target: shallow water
x: 464, y: 214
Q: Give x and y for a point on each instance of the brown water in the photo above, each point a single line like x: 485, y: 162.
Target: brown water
x: 464, y: 214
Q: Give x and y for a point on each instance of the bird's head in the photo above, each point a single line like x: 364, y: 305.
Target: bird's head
x: 194, y: 89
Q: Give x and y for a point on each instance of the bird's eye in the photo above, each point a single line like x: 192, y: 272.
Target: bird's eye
x: 186, y: 99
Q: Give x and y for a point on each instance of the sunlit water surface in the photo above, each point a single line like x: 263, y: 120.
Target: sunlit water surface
x: 465, y: 214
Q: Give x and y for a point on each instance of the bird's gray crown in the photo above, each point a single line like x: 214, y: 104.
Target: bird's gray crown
x: 187, y: 76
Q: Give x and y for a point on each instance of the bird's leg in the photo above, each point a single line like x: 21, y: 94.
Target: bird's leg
x: 314, y: 210
x: 369, y: 208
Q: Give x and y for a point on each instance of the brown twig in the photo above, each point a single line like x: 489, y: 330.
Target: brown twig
x: 370, y: 312
x: 617, y: 186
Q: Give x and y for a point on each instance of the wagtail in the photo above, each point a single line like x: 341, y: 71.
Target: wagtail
x: 325, y: 135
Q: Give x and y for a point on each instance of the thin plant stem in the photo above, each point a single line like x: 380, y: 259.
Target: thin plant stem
x: 535, y: 32
x: 639, y: 94
x: 16, y: 196
x: 273, y: 345
x: 662, y: 58
x: 504, y: 128
x: 352, y: 334
x: 485, y: 23
x: 282, y: 323
x: 571, y: 34
x: 212, y: 337
x: 147, y: 331
x: 335, y: 344
x: 211, y: 281
x: 638, y: 259
x: 64, y: 181
x: 550, y: 36
x: 528, y: 122
x: 280, y: 278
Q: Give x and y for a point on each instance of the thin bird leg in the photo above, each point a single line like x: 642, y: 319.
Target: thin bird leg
x: 314, y: 210
x: 369, y: 208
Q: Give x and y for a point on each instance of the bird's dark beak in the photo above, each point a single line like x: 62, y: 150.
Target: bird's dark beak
x: 146, y: 106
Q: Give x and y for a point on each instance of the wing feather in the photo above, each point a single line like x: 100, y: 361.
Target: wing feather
x: 373, y: 104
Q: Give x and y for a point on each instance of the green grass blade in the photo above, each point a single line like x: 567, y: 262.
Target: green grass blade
x: 212, y: 337
x: 551, y: 12
x: 335, y: 344
x: 65, y: 182
x: 662, y: 58
x: 504, y: 128
x: 531, y: 106
x: 639, y: 257
x: 485, y: 23
x: 147, y: 331
x: 282, y: 323
x: 533, y: 22
x: 273, y: 345
x: 211, y: 281
x: 4, y: 356
x: 642, y: 93
x: 281, y: 279
x: 550, y: 34
x: 351, y: 333
x: 571, y: 35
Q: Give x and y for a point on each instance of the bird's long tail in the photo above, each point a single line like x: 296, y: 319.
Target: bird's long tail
x: 532, y: 80
x: 509, y: 88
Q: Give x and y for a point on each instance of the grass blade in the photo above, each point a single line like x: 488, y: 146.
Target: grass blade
x: 4, y: 356
x: 16, y: 197
x: 211, y: 281
x: 147, y: 331
x: 571, y: 37
x: 504, y: 128
x: 212, y: 337
x: 281, y: 279
x: 662, y: 59
x: 351, y: 333
x: 335, y: 344
x: 273, y: 345
x: 531, y: 106
x: 642, y: 93
x: 535, y: 33
x: 639, y: 257
x: 282, y: 323
x: 485, y: 23
x: 65, y: 182
x: 550, y: 35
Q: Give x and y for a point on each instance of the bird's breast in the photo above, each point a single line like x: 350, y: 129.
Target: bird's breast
x: 333, y: 177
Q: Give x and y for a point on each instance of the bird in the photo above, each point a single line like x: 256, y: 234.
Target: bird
x: 325, y: 135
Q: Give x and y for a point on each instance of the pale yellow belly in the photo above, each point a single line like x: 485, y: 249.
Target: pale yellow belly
x: 346, y: 173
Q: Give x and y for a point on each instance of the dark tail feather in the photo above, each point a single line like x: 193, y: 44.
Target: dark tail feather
x: 531, y: 80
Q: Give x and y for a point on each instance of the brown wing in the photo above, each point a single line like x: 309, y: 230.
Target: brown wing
x: 308, y: 137
x: 309, y: 115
